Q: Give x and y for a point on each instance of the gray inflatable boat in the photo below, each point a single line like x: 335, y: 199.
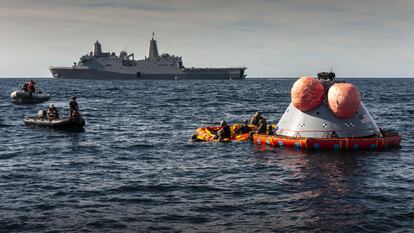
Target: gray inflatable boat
x: 71, y: 123
x: 24, y: 97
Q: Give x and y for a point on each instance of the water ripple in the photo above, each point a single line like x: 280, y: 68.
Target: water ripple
x: 132, y: 169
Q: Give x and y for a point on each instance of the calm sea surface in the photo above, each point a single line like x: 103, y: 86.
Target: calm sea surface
x: 132, y: 169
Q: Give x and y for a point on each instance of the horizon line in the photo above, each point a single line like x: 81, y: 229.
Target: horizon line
x: 252, y: 77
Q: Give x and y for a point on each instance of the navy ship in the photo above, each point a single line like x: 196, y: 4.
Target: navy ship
x: 108, y: 65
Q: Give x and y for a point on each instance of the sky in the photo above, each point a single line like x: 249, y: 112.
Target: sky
x: 273, y: 38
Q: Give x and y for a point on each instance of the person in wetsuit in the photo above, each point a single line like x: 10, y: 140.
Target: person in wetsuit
x: 224, y: 132
x: 194, y: 138
x: 262, y: 126
x: 254, y: 120
x: 244, y: 128
x: 261, y: 129
x: 270, y: 130
x: 73, y: 107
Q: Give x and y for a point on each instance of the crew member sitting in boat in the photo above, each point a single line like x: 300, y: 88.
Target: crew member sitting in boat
x: 270, y: 130
x: 31, y: 87
x: 73, y: 107
x: 25, y: 86
x: 52, y: 112
x: 225, y: 132
x: 41, y: 114
x: 262, y: 128
x: 254, y: 120
x: 244, y: 128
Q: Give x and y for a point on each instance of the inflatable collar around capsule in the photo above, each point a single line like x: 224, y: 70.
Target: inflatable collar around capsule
x: 327, y: 114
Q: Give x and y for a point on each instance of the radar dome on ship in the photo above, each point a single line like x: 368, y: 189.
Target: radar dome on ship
x: 307, y: 93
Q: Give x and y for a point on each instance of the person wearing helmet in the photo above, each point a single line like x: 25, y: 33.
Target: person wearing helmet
x: 52, y: 112
x: 73, y: 107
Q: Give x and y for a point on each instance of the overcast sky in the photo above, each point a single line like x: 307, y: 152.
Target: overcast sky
x: 273, y: 38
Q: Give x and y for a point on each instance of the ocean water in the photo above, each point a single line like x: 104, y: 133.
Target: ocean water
x: 132, y: 169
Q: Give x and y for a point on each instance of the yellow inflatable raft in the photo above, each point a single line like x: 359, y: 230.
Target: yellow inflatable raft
x: 209, y: 133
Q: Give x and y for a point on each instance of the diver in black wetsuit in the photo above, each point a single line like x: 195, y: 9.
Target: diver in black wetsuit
x: 256, y: 118
x: 270, y: 130
x: 225, y: 132
x: 244, y: 128
x: 194, y: 138
x: 262, y: 126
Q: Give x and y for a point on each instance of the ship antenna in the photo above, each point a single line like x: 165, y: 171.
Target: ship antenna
x: 153, y: 34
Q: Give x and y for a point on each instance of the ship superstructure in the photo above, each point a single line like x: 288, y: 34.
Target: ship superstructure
x: 108, y: 65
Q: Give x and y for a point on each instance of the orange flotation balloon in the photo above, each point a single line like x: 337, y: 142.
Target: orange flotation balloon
x: 307, y: 93
x: 344, y: 99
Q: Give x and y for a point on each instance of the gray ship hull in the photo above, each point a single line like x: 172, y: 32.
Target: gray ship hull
x: 186, y: 74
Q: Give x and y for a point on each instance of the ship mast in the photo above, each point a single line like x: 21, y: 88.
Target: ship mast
x: 97, y: 50
x: 153, y: 49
